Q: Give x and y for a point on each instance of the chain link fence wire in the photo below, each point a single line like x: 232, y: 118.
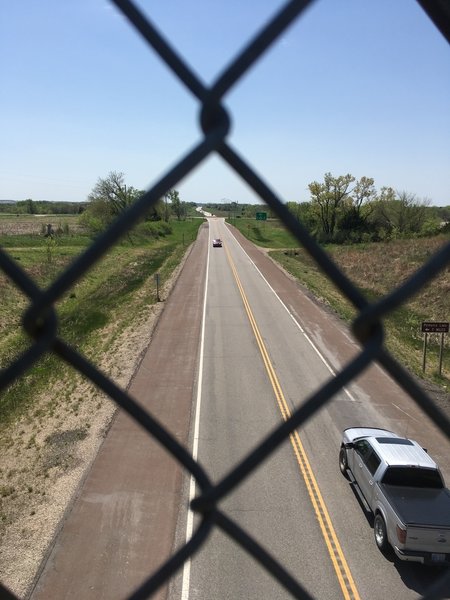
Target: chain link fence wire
x: 40, y: 320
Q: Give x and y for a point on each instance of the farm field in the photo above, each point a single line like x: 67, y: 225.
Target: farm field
x: 34, y: 225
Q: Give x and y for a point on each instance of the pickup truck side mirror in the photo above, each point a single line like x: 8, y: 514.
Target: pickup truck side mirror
x: 349, y: 445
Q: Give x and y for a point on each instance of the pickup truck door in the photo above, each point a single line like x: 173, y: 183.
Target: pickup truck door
x: 365, y: 464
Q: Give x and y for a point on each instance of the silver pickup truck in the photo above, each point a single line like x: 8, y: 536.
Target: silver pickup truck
x: 404, y: 489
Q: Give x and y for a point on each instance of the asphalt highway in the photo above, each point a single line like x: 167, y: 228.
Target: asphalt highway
x: 238, y: 347
x: 266, y: 348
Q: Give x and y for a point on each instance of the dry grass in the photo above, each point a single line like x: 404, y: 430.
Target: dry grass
x: 377, y: 269
x: 380, y: 268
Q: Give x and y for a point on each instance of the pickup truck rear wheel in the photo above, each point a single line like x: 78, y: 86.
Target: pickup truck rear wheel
x: 343, y: 464
x: 379, y: 530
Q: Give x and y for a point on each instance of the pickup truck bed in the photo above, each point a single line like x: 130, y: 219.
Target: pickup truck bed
x: 423, y: 507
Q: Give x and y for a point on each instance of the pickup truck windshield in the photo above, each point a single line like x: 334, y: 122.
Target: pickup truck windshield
x: 413, y: 477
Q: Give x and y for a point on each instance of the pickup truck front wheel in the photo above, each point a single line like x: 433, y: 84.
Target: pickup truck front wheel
x: 379, y: 530
x: 343, y: 464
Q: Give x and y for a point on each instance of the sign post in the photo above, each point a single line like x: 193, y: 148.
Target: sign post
x: 432, y: 327
x: 424, y: 356
x: 158, y: 299
x: 441, y: 353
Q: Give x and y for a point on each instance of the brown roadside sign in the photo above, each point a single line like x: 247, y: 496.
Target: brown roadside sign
x: 432, y: 327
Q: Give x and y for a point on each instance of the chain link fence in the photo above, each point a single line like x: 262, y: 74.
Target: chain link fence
x: 40, y: 319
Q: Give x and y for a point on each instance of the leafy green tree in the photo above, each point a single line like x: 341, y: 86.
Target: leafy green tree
x: 113, y: 192
x: 250, y: 210
x: 176, y: 207
x: 351, y: 225
x: 363, y: 193
x: 109, y: 198
x: 411, y: 212
x: 353, y: 217
x: 293, y: 208
x: 156, y: 211
x: 305, y: 213
x: 29, y: 206
x: 400, y: 214
x: 328, y: 200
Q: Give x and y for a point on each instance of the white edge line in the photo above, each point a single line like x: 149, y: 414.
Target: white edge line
x: 315, y: 348
x: 190, y: 514
x: 405, y: 413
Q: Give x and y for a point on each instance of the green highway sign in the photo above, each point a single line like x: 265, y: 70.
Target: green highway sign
x: 261, y: 216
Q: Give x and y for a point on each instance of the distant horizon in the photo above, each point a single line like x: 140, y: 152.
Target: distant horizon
x: 197, y: 203
x: 34, y: 200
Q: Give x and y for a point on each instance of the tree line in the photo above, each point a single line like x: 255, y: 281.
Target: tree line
x: 111, y: 196
x: 343, y: 209
x: 42, y: 207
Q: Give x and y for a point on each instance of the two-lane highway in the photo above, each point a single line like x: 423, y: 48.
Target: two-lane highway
x: 242, y: 400
x: 238, y: 347
x: 258, y: 363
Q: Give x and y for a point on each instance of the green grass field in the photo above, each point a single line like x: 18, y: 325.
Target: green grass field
x: 107, y: 297
x: 267, y: 234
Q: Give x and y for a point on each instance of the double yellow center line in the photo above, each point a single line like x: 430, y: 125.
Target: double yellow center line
x: 335, y: 551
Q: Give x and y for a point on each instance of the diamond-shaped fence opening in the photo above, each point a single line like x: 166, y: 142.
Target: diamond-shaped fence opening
x: 40, y: 319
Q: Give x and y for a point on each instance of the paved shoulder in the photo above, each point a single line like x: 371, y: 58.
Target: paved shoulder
x: 121, y: 527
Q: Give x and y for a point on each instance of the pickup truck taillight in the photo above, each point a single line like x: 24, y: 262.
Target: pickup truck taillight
x: 401, y: 534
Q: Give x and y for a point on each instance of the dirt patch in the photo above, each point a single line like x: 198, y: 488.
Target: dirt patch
x: 48, y: 451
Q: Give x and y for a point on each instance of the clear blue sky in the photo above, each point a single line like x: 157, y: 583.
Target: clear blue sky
x: 354, y: 86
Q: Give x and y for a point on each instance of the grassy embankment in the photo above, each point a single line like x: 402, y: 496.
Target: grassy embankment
x: 376, y: 269
x: 94, y: 311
